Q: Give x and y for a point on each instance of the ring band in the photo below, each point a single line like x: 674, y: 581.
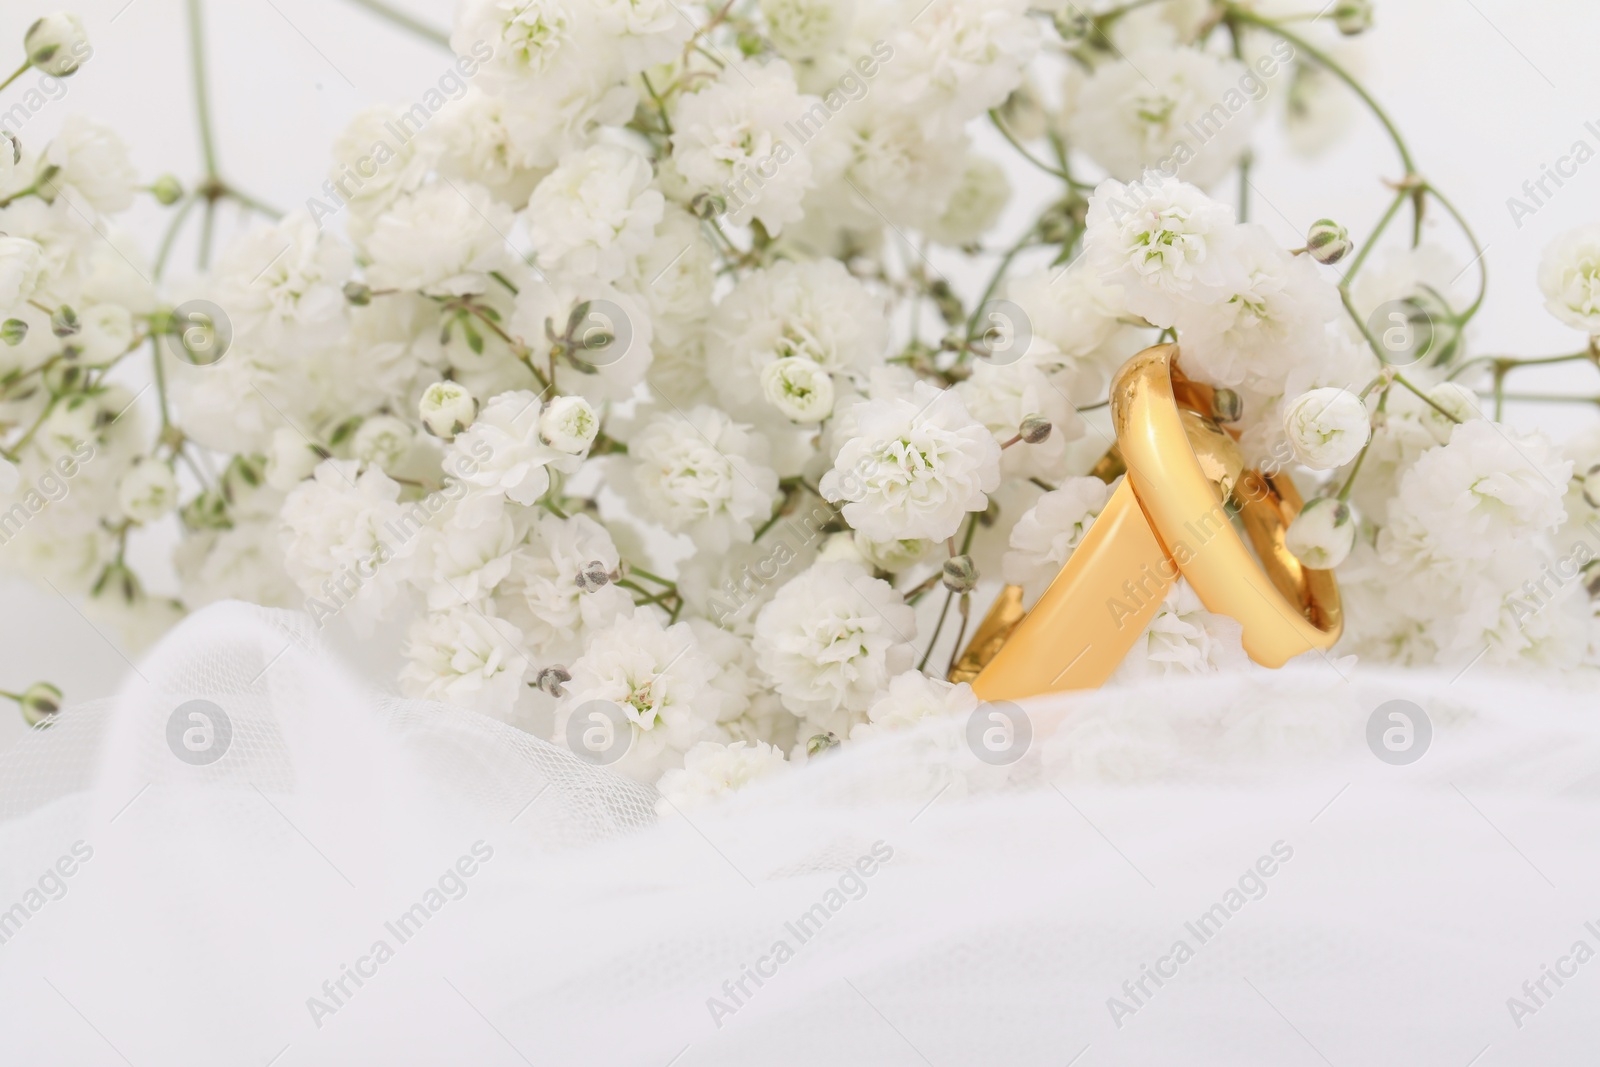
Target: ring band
x: 1169, y: 517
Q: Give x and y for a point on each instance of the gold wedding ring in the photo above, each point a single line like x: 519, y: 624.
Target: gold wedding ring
x: 1171, y: 516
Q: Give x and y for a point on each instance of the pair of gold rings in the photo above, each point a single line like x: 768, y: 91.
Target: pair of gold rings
x: 1171, y: 517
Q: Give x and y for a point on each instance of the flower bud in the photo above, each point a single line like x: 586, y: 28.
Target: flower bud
x: 358, y: 293
x: 960, y: 574
x: 551, y: 680
x: 14, y: 332
x: 1327, y: 428
x: 148, y: 491
x: 1591, y: 487
x: 821, y: 743
x: 208, y: 511
x: 243, y: 476
x: 1323, y: 534
x: 892, y: 556
x: 799, y: 388
x: 40, y: 702
x: 1353, y: 16
x: 1073, y: 25
x: 167, y: 190
x: 447, y: 408
x: 708, y: 206
x: 593, y: 576
x: 1328, y: 242
x: 1034, y: 429
x: 1227, y: 405
x: 290, y: 459
x: 569, y: 424
x: 64, y: 321
x: 57, y: 44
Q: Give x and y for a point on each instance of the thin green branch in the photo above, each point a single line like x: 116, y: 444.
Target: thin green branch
x: 394, y: 15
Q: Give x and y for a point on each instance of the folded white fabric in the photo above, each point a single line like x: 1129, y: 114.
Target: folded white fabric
x: 1214, y: 871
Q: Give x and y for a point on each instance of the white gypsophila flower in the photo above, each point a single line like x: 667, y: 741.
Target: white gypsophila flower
x: 485, y: 139
x: 815, y: 310
x: 1189, y: 117
x: 647, y: 32
x: 703, y: 474
x: 959, y: 58
x: 660, y: 680
x: 543, y: 594
x: 914, y: 467
x: 290, y: 459
x: 675, y: 276
x: 242, y: 562
x: 383, y: 441
x: 896, y: 163
x: 750, y: 710
x: 466, y: 658
x: 730, y: 141
x: 1073, y: 322
x: 975, y: 205
x: 1327, y: 428
x: 442, y: 240
x: 502, y: 450
x: 1002, y: 396
x: 336, y: 533
x: 595, y: 212
x: 1047, y: 533
x: 1323, y: 534
x: 529, y: 46
x: 806, y: 29
x: 21, y: 261
x: 468, y: 550
x: 912, y: 698
x: 891, y: 556
x: 1164, y: 242
x: 57, y: 43
x: 830, y: 641
x: 711, y: 770
x: 1569, y: 278
x: 10, y: 477
x: 1267, y: 323
x: 1485, y: 491
x: 377, y: 158
x: 1185, y: 638
x: 285, y: 281
x: 92, y: 158
x: 447, y: 408
x: 148, y: 491
x: 798, y: 388
x: 569, y: 424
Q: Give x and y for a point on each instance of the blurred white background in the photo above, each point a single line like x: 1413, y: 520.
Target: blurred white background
x: 1486, y: 92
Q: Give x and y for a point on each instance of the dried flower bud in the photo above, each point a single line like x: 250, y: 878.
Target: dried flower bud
x: 1227, y: 406
x: 358, y: 293
x: 821, y: 743
x: 1035, y: 429
x: 64, y: 321
x: 551, y: 680
x: 960, y: 574
x: 593, y: 576
x: 40, y: 702
x: 1353, y: 16
x: 1073, y: 25
x: 167, y: 190
x: 1328, y: 242
x: 708, y: 206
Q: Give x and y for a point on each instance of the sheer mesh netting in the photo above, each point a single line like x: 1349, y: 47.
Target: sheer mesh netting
x: 1202, y: 871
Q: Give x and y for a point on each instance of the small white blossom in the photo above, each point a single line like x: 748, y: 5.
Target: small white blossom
x: 466, y: 658
x: 831, y: 640
x: 1323, y: 534
x: 148, y: 491
x: 502, y: 450
x: 914, y: 467
x: 1047, y: 533
x: 711, y: 770
x: 704, y: 474
x: 447, y: 408
x: 800, y: 389
x: 442, y: 240
x: 383, y: 441
x: 93, y: 159
x: 21, y: 260
x: 57, y: 43
x: 1569, y: 277
x: 595, y: 212
x: 1327, y: 428
x: 569, y: 424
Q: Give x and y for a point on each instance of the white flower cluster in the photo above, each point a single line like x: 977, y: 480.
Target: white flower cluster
x: 626, y: 378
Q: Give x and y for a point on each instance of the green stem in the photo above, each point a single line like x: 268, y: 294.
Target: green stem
x: 19, y: 73
x: 1482, y: 260
x: 1000, y: 124
x: 202, y: 99
x: 172, y: 231
x: 934, y: 640
x: 1512, y: 363
x: 1350, y: 482
x: 1426, y: 399
x: 161, y: 382
x: 1377, y: 232
x: 405, y: 21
